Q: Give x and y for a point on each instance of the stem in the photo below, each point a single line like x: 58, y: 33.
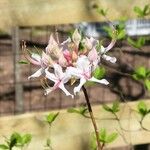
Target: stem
x: 99, y: 147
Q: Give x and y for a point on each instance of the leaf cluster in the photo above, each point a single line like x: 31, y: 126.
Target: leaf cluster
x: 114, y: 108
x: 50, y: 118
x: 143, y: 108
x: 119, y: 33
x: 137, y: 43
x: 81, y: 110
x: 104, y: 138
x: 142, y: 12
x: 16, y: 140
x: 142, y: 73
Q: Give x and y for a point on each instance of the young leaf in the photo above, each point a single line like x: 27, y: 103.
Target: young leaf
x: 102, y: 135
x: 15, y: 139
x: 115, y: 107
x: 147, y: 84
x: 3, y: 147
x: 48, y: 142
x: 26, y: 139
x: 146, y: 10
x: 110, y: 138
x: 50, y: 118
x: 138, y: 11
x: 23, y: 62
x: 72, y: 110
x: 142, y: 108
x: 141, y: 72
x: 107, y: 108
x: 81, y: 110
x: 102, y: 11
x: 99, y: 72
x: 136, y: 43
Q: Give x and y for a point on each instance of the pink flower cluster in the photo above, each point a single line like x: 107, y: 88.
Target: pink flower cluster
x: 75, y: 58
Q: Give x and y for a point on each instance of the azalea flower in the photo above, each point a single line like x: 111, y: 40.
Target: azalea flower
x: 59, y: 78
x: 75, y: 57
x: 83, y: 72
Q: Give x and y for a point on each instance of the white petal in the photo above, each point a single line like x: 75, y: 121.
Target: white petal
x: 37, y: 73
x: 62, y: 87
x: 50, y: 76
x: 110, y: 45
x: 48, y: 90
x: 66, y: 78
x: 58, y: 71
x: 72, y: 71
x: 109, y: 58
x: 83, y: 63
x: 78, y: 88
x: 103, y: 81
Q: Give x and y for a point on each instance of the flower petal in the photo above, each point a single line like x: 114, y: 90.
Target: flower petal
x: 103, y: 81
x: 72, y: 71
x: 109, y: 58
x: 76, y: 37
x: 58, y: 71
x: 50, y: 76
x: 38, y: 73
x: 110, y: 45
x: 62, y: 87
x: 78, y: 88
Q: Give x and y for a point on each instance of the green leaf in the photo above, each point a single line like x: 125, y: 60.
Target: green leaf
x: 136, y: 43
x: 72, y: 110
x: 99, y: 72
x: 81, y: 110
x: 115, y: 107
x: 102, y: 135
x: 148, y: 73
x: 121, y: 34
x: 102, y: 11
x: 26, y: 139
x: 107, y: 108
x: 142, y: 108
x: 15, y: 138
x: 138, y: 11
x: 141, y: 42
x: 146, y: 10
x: 141, y: 72
x: 48, y: 142
x: 147, y: 84
x: 3, y: 147
x: 111, y: 137
x: 109, y: 31
x: 23, y: 62
x: 50, y: 118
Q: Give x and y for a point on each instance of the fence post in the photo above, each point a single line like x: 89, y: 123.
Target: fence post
x: 17, y: 71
